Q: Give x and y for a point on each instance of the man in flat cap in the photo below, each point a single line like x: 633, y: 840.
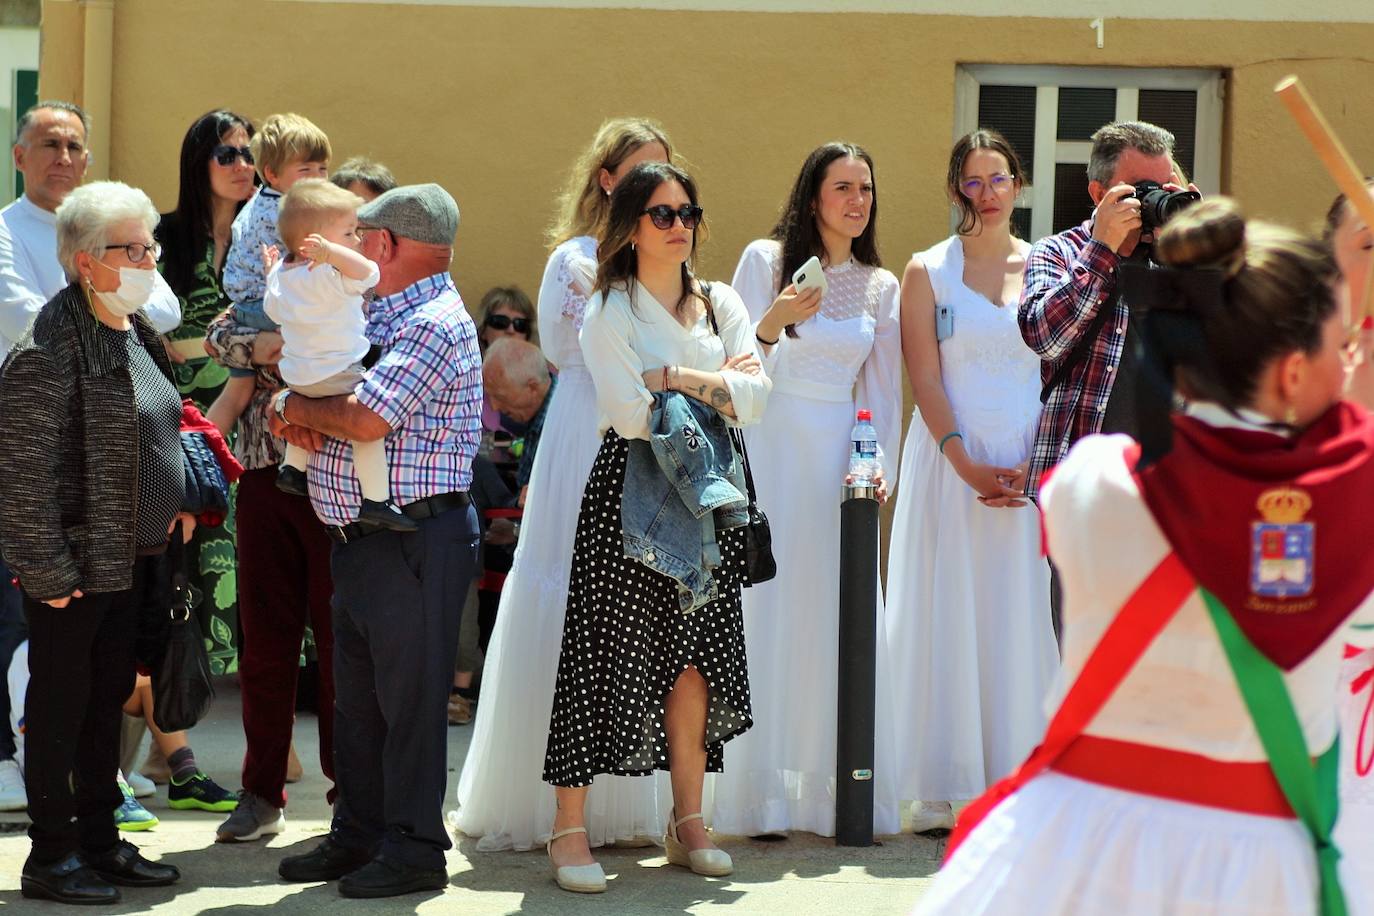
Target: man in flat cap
x: 397, y: 596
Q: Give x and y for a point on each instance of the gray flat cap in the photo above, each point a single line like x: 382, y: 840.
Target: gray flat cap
x: 423, y: 212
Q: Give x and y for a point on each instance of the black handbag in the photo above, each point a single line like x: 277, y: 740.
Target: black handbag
x: 207, y: 490
x: 182, y: 689
x: 759, y: 565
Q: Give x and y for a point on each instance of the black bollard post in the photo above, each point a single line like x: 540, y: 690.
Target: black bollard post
x: 858, y: 640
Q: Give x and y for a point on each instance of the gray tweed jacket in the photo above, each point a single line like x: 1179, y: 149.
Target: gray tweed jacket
x: 69, y: 453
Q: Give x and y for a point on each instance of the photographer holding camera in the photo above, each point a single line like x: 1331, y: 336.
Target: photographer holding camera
x: 1071, y: 312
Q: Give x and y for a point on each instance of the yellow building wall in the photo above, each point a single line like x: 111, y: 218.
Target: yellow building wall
x: 494, y: 102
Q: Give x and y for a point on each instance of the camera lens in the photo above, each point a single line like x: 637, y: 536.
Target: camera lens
x: 1159, y: 205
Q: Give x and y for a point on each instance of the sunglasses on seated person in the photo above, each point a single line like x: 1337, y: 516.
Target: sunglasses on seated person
x: 663, y: 216
x: 225, y: 154
x: 501, y: 322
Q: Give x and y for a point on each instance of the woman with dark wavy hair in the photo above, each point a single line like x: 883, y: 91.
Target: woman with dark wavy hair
x: 643, y: 685
x: 502, y: 800
x: 828, y: 356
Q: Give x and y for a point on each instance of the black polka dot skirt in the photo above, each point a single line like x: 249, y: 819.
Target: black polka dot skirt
x: 625, y: 643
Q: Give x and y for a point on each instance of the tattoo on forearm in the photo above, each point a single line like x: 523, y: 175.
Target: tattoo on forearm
x: 700, y: 391
x: 720, y: 398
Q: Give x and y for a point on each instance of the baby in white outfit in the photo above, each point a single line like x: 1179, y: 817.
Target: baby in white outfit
x: 316, y: 295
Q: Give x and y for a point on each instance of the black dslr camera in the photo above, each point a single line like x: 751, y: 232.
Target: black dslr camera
x: 1158, y: 205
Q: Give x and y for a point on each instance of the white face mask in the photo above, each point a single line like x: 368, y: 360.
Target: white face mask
x: 135, y: 289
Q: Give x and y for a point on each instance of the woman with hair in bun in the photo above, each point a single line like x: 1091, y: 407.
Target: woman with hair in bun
x: 1209, y: 570
x: 502, y: 798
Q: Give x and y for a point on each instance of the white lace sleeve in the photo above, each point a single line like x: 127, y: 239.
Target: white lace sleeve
x: 563, y: 294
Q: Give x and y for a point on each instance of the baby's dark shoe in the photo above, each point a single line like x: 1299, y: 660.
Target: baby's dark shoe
x: 386, y: 515
x: 292, y: 480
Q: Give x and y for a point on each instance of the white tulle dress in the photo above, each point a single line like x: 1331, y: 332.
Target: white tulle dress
x: 968, y: 590
x: 502, y: 797
x: 780, y: 775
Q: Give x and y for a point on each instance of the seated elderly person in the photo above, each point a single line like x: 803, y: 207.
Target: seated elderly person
x: 518, y: 384
x: 91, y: 484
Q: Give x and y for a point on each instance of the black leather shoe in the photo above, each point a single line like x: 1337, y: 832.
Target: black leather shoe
x: 125, y: 865
x: 67, y: 881
x: 383, y: 878
x: 326, y: 862
x: 292, y: 480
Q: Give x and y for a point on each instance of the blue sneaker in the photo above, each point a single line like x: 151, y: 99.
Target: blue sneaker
x: 200, y: 791
x: 131, y: 816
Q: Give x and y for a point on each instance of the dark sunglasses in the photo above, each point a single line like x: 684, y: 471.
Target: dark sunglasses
x: 225, y: 154
x: 663, y: 216
x: 501, y: 322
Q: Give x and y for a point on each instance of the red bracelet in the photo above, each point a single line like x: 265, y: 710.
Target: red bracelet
x: 665, y: 378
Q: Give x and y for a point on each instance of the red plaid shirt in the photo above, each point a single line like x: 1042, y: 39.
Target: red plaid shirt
x: 1068, y: 276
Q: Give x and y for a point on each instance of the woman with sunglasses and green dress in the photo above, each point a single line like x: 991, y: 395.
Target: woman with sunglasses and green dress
x: 217, y: 177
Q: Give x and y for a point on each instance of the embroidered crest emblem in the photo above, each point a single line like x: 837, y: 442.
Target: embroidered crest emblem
x: 1283, y: 545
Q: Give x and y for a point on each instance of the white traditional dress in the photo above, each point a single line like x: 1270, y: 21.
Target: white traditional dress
x: 968, y: 590
x: 781, y: 775
x: 1074, y: 839
x: 502, y: 797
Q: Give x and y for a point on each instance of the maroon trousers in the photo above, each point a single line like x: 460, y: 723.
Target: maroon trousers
x: 284, y: 583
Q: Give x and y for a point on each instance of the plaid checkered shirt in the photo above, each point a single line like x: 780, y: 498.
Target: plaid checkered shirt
x: 1068, y: 277
x: 427, y: 386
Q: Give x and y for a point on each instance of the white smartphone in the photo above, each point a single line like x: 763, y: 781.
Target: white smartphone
x: 944, y: 323
x: 810, y: 275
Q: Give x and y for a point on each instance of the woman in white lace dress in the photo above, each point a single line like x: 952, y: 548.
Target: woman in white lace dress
x: 968, y: 607
x: 501, y: 794
x: 827, y: 355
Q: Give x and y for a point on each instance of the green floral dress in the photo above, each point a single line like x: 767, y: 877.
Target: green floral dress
x: 211, y: 562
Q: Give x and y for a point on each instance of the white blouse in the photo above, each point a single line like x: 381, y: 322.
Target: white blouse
x: 621, y: 340
x: 568, y: 279
x: 850, y: 351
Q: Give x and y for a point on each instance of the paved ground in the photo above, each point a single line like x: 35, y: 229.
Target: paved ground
x: 802, y: 875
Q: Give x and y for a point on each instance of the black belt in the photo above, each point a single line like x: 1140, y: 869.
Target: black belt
x: 423, y: 508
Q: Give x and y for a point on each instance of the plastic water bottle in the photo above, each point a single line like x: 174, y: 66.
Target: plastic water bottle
x: 863, y: 458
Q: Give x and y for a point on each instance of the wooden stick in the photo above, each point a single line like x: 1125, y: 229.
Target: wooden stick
x: 1339, y: 166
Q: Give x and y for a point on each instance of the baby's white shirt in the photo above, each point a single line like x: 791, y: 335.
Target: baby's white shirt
x: 323, y: 328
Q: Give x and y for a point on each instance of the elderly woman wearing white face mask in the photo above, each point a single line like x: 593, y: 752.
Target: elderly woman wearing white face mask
x: 91, y: 483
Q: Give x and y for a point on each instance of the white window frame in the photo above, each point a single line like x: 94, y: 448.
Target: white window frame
x: 1210, y: 86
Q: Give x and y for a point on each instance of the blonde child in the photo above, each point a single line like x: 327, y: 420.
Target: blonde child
x: 286, y: 149
x: 316, y: 296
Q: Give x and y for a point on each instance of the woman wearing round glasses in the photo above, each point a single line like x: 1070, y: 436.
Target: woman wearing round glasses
x: 968, y: 605
x: 91, y: 484
x: 502, y: 796
x: 645, y: 682
x: 827, y: 355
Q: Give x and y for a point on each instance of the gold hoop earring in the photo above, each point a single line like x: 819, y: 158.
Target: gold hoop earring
x: 1290, y: 416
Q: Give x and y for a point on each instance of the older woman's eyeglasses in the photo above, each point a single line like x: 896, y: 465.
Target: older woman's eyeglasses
x: 225, y: 154
x: 501, y: 322
x: 663, y: 216
x: 137, y: 251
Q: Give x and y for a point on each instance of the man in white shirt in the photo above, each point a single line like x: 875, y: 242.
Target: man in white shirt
x: 51, y: 154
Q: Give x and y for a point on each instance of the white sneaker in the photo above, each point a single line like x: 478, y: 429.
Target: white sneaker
x: 143, y: 786
x: 12, y: 794
x: 926, y: 816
